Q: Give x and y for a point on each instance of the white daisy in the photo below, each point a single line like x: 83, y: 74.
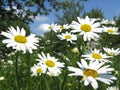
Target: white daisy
x: 111, y: 30
x: 54, y: 27
x: 92, y: 72
x: 96, y: 55
x: 38, y: 69
x: 106, y: 21
x: 86, y: 27
x: 67, y: 36
x: 17, y: 40
x: 112, y: 88
x: 49, y: 27
x: 112, y: 51
x: 53, y: 66
x: 64, y: 26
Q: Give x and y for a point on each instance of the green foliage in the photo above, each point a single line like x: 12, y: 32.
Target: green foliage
x: 70, y: 12
x: 22, y: 12
x: 94, y: 13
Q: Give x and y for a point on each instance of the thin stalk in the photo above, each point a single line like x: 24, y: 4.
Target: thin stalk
x: 65, y: 77
x: 45, y: 80
x: 64, y: 81
x: 81, y: 45
x: 16, y: 71
x: 28, y: 70
x: 39, y: 83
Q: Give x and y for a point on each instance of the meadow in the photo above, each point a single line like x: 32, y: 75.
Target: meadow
x: 79, y: 56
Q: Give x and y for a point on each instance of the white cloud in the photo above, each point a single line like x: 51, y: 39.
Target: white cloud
x: 38, y: 32
x: 41, y: 19
x: 43, y: 27
x: 40, y: 25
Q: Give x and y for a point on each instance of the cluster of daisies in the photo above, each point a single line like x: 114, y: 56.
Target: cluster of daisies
x: 94, y: 65
x: 17, y: 39
x: 88, y: 28
x: 47, y: 65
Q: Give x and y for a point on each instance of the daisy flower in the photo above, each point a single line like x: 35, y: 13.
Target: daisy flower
x: 49, y: 27
x: 106, y: 21
x: 67, y: 36
x: 38, y: 69
x: 51, y: 63
x: 17, y: 40
x: 112, y: 88
x: 86, y: 27
x: 112, y: 51
x: 93, y: 72
x: 64, y: 26
x: 111, y: 30
x: 96, y: 55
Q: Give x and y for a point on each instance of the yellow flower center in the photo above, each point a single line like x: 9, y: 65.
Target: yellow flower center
x: 50, y: 63
x: 50, y: 27
x: 68, y: 37
x: 96, y: 56
x: 20, y: 39
x: 39, y: 70
x: 86, y: 28
x: 90, y: 72
x: 110, y: 31
x: 62, y: 27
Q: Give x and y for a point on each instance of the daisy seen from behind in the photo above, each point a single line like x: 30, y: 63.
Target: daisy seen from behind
x: 112, y: 51
x: 38, y: 69
x: 51, y: 63
x: 106, y: 21
x: 86, y: 27
x: 96, y: 55
x: 111, y: 30
x: 67, y: 36
x: 17, y: 40
x: 93, y: 72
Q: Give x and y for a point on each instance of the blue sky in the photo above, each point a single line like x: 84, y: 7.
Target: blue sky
x: 110, y: 8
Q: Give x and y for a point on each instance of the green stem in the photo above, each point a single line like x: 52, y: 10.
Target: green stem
x: 39, y: 83
x: 65, y: 76
x: 28, y: 70
x: 46, y: 81
x: 16, y: 71
x: 64, y: 81
x: 81, y: 45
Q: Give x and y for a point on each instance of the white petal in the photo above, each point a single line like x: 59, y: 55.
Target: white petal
x: 93, y: 82
x: 8, y: 35
x: 86, y: 82
x: 84, y: 63
x: 23, y: 32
